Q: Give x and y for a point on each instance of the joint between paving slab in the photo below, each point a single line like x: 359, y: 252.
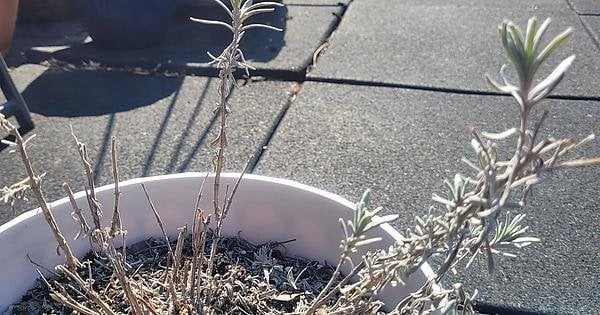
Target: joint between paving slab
x: 293, y: 94
x: 327, y: 39
x: 585, y: 26
x: 296, y: 87
x: 589, y: 31
x: 437, y: 89
x: 297, y: 74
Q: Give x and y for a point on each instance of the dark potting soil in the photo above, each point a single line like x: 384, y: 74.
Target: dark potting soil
x: 249, y: 279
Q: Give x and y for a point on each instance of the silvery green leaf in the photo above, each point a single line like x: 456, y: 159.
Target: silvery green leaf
x: 211, y: 22
x: 236, y: 4
x: 252, y: 13
x: 367, y: 241
x: 486, y: 213
x: 377, y: 221
x: 520, y: 60
x: 441, y: 200
x: 530, y: 35
x: 269, y: 27
x: 263, y: 5
x: 540, y: 33
x: 476, y: 146
x: 581, y: 162
x: 344, y: 228
x: 247, y: 4
x: 471, y: 164
x: 478, y: 201
x: 420, y: 221
x: 387, y: 218
x: 507, y: 254
x: 509, y: 47
x: 501, y: 135
x: 376, y: 211
x: 523, y: 180
x: 585, y: 140
x: 8, y: 143
x: 526, y: 239
x: 551, y: 81
x: 553, y: 45
x: 366, y: 198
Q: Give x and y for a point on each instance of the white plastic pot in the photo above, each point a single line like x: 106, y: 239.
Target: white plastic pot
x: 264, y: 209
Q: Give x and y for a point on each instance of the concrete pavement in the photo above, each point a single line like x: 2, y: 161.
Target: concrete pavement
x: 392, y: 87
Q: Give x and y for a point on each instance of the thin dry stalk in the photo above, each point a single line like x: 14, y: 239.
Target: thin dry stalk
x: 77, y: 214
x: 94, y: 204
x: 116, y: 218
x: 199, y: 240
x: 173, y: 275
x: 116, y: 224
x: 219, y: 225
x: 65, y: 298
x: 118, y: 264
x: 88, y: 290
x: 179, y: 251
x: 199, y: 226
x: 160, y: 222
x: 35, y: 185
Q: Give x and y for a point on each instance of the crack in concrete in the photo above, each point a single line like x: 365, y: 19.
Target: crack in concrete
x: 438, y: 89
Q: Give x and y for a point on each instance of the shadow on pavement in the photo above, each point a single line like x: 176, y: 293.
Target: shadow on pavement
x: 94, y: 93
x: 185, y: 45
x: 44, y: 39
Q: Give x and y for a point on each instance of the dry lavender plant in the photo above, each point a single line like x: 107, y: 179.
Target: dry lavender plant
x: 474, y: 218
x: 469, y: 220
x: 190, y: 288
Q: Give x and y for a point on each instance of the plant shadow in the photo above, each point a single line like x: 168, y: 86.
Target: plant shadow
x: 93, y: 93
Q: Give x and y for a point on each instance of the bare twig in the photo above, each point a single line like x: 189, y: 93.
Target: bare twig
x: 84, y: 228
x: 90, y: 293
x: 116, y: 218
x: 35, y: 184
x: 93, y: 202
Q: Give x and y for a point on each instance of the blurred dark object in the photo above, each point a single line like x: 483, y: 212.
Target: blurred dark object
x: 15, y: 104
x: 45, y: 11
x: 8, y: 15
x: 126, y: 24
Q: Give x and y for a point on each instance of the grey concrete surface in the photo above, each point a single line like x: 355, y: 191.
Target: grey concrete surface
x: 586, y: 6
x: 403, y: 143
x: 593, y: 25
x: 163, y: 125
x: 447, y: 44
x: 340, y: 137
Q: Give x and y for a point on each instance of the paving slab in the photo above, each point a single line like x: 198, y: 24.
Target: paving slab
x: 593, y: 25
x: 163, y: 125
x: 586, y: 6
x: 403, y: 143
x: 186, y: 43
x: 450, y: 44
